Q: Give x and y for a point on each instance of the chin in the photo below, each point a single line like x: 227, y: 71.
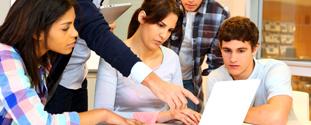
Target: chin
x: 233, y: 73
x: 65, y: 52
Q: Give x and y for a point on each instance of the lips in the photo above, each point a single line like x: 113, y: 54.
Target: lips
x: 71, y: 45
x: 158, y: 42
x: 234, y: 66
x: 190, y: 5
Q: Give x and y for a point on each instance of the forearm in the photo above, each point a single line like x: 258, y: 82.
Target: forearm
x: 92, y: 117
x: 151, y: 80
x: 259, y: 115
x: 266, y: 115
x: 97, y: 116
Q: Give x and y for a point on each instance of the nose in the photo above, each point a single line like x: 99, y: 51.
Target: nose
x: 74, y: 33
x: 233, y: 58
x: 163, y: 34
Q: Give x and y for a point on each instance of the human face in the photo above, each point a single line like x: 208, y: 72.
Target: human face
x: 238, y: 58
x: 61, y: 36
x: 154, y: 35
x: 191, y: 5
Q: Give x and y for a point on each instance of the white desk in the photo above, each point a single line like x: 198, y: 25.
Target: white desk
x: 288, y: 123
x: 292, y: 123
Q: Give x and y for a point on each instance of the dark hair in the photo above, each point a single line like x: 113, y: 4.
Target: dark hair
x: 239, y: 28
x: 156, y: 11
x: 24, y: 22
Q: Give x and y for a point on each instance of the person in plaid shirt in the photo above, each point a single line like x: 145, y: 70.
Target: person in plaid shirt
x: 31, y: 29
x: 197, y: 39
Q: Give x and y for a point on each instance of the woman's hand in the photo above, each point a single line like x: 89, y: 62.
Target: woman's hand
x: 118, y: 120
x: 98, y: 116
x: 187, y: 116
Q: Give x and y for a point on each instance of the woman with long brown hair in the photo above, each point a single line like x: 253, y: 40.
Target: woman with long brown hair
x: 151, y: 25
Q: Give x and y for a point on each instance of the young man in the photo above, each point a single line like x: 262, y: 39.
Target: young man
x: 197, y: 39
x: 238, y: 43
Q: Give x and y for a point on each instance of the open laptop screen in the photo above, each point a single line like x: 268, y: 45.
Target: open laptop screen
x: 229, y: 102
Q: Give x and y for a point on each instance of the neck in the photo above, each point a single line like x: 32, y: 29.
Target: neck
x: 137, y: 45
x: 152, y: 57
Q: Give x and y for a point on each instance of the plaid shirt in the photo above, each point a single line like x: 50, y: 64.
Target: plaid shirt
x: 19, y: 103
x: 206, y: 24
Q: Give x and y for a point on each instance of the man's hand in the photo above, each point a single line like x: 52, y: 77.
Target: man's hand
x: 175, y: 96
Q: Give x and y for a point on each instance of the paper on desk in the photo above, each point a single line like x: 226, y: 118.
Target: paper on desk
x: 229, y: 102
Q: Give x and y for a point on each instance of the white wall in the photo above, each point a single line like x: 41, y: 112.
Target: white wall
x: 236, y: 7
x: 4, y: 8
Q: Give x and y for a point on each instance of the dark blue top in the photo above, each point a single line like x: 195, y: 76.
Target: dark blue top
x: 95, y: 31
x: 92, y: 27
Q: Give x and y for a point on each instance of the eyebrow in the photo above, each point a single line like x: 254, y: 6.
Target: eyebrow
x: 242, y: 48
x: 66, y: 23
x: 163, y: 23
x: 231, y: 48
x: 166, y: 25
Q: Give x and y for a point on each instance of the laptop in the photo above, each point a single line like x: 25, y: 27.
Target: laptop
x: 113, y: 11
x: 229, y: 102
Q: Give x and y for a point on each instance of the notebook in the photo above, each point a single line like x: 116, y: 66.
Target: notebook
x: 112, y: 11
x: 229, y: 102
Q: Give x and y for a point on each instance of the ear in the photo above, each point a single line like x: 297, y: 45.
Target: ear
x: 40, y: 38
x: 254, y: 51
x: 141, y: 16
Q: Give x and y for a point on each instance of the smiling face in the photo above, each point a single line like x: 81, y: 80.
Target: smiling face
x: 238, y: 58
x: 154, y: 35
x: 191, y: 5
x: 61, y: 36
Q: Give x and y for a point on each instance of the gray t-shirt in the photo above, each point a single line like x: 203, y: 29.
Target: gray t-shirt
x: 275, y: 79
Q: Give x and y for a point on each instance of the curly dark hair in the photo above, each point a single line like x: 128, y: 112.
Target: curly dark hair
x: 239, y: 28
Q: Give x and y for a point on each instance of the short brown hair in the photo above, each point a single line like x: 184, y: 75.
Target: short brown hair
x: 239, y: 28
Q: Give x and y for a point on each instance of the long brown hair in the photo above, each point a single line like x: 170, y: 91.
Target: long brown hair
x: 156, y: 11
x: 25, y: 21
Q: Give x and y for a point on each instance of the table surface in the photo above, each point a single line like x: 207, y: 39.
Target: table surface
x: 288, y: 123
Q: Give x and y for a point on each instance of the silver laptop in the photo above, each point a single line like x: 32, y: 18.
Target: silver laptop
x: 113, y: 11
x: 229, y: 102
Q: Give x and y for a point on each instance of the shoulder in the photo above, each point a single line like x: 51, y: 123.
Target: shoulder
x: 219, y: 74
x: 271, y: 64
x: 6, y: 48
x: 8, y: 52
x: 215, y: 7
x: 169, y: 53
x: 271, y: 69
x: 12, y: 66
